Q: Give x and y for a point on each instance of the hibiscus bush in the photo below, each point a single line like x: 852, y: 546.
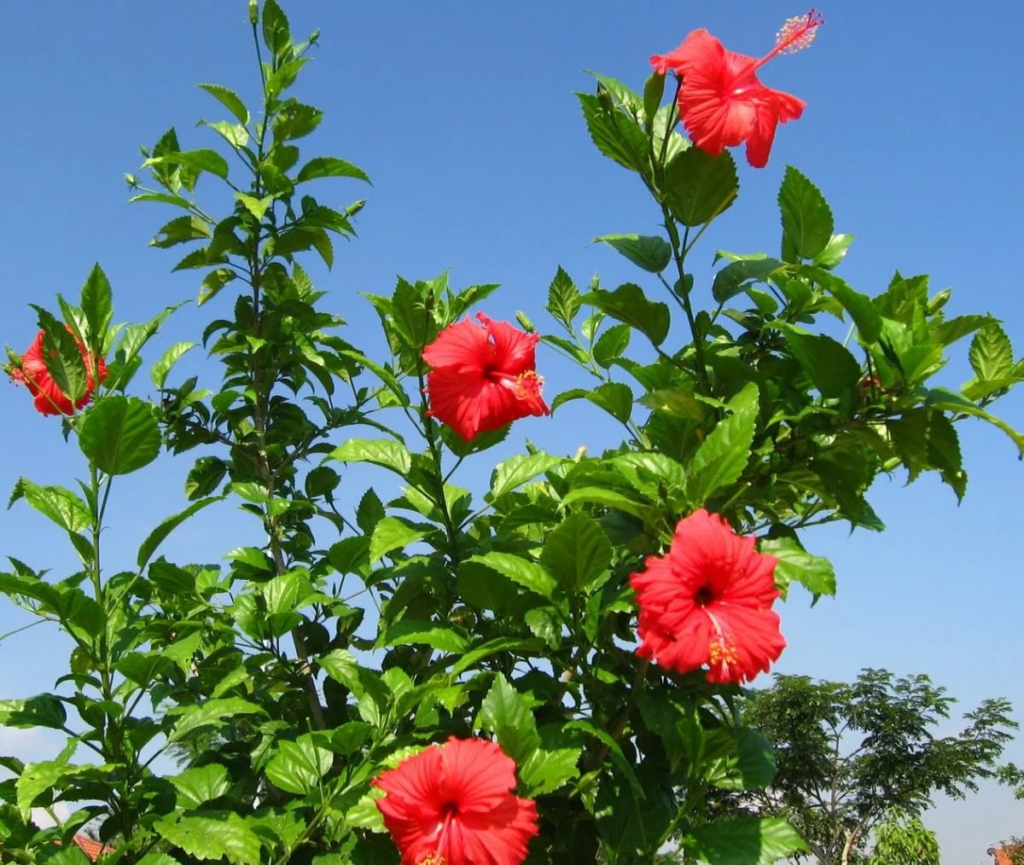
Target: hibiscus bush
x: 548, y: 669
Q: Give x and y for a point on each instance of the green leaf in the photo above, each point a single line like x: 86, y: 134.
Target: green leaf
x: 861, y: 308
x: 120, y: 435
x: 37, y: 779
x: 299, y: 766
x: 411, y: 632
x: 492, y: 647
x: 197, y: 786
x: 276, y: 33
x: 630, y: 305
x: 947, y: 400
x: 738, y: 758
x: 212, y: 713
x: 225, y: 835
x: 183, y: 229
x: 699, y: 186
x: 564, y: 299
x: 743, y: 841
x: 529, y: 575
x: 61, y: 356
x: 256, y: 206
x: 834, y: 252
x: 724, y: 454
x: 611, y: 344
x: 829, y: 365
x: 807, y: 223
x: 547, y: 770
x: 481, y: 587
x: 736, y: 277
x: 654, y: 90
x: 577, y: 552
x: 57, y: 504
x: 517, y: 470
x: 158, y: 374
x: 675, y: 401
x: 160, y: 533
x: 991, y: 354
x: 97, y: 304
x: 504, y: 714
x: 329, y: 166
x: 616, y: 135
x: 611, y: 499
x: 391, y: 534
x: 229, y: 100
x: 382, y: 452
x: 201, y: 160
x: 814, y: 573
x: 615, y: 398
x: 652, y: 254
x: 43, y: 710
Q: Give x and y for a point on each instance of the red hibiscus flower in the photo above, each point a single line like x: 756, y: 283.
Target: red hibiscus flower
x: 483, y: 377
x: 453, y: 805
x: 49, y: 398
x: 721, y: 101
x: 708, y: 601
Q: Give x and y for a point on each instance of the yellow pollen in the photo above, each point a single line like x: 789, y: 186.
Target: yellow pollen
x: 529, y: 384
x: 797, y: 33
x: 432, y: 860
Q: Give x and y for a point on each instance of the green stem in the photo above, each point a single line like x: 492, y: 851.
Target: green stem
x: 679, y: 250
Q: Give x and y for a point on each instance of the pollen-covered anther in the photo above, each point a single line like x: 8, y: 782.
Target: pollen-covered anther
x: 797, y: 33
x: 529, y: 384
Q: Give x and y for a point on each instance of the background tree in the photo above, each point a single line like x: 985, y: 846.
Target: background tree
x: 904, y: 840
x: 848, y: 754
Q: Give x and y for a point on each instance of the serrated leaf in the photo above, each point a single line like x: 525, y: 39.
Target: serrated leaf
x: 197, y: 786
x: 617, y: 136
x: 212, y: 713
x: 160, y: 533
x: 158, y: 374
x: 564, y: 299
x: 652, y: 254
x: 391, y: 534
x: 630, y: 305
x: 611, y: 344
x: 699, y: 186
x: 527, y: 574
x: 517, y: 470
x: 578, y: 552
x: 410, y: 632
x: 743, y: 841
x: 120, y: 435
x: 833, y: 370
x: 256, y: 206
x: 615, y: 398
x: 991, y: 353
x: 61, y: 356
x: 736, y: 277
x: 504, y: 714
x: 57, y: 504
x: 329, y: 166
x: 724, y: 454
x: 229, y: 99
x: 547, y: 770
x: 382, y: 452
x: 795, y: 564
x: 835, y: 251
x: 202, y: 160
x: 212, y: 838
x: 807, y: 223
x: 299, y: 766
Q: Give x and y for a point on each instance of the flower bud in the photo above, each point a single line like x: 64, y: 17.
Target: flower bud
x: 254, y: 12
x: 524, y: 321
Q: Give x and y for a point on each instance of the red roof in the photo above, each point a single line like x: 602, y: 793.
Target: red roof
x: 92, y: 849
x: 1001, y: 854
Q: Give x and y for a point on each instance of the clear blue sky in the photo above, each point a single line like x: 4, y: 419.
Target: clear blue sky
x: 463, y: 115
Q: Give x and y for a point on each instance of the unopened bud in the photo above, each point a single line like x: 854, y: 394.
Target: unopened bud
x: 254, y: 12
x: 581, y: 452
x: 131, y: 180
x: 524, y: 321
x: 939, y: 301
